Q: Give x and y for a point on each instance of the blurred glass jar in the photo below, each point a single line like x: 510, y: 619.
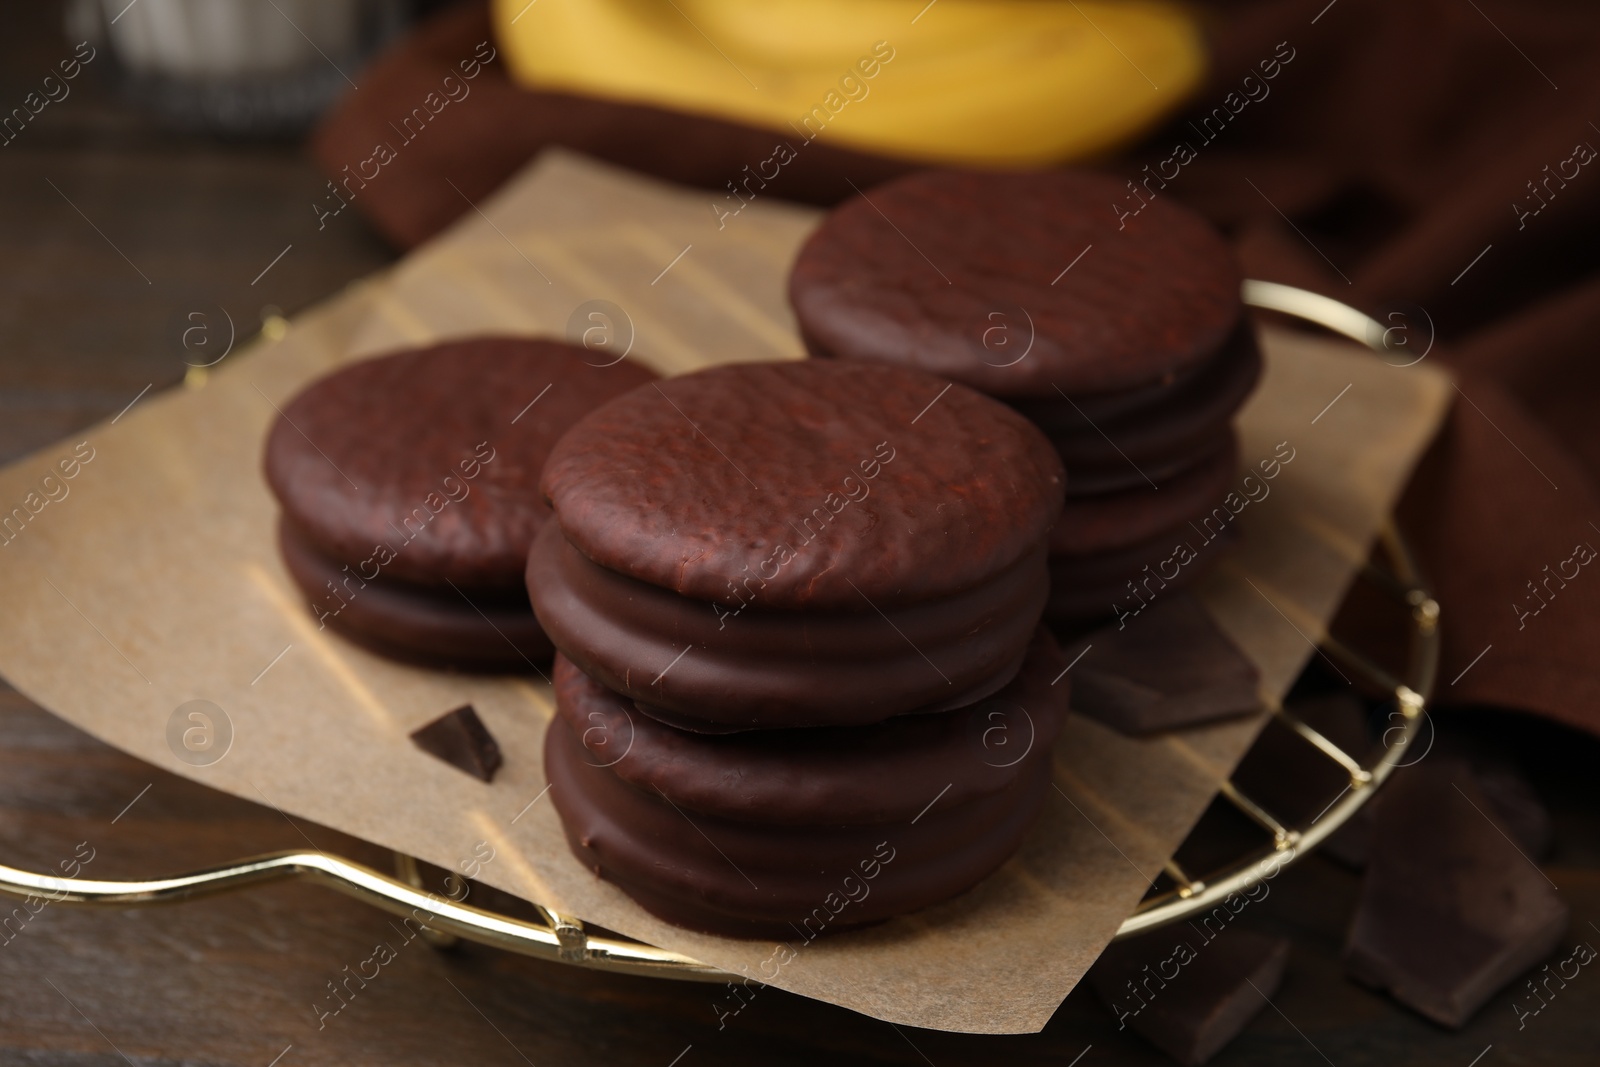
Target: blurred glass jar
x: 251, y: 67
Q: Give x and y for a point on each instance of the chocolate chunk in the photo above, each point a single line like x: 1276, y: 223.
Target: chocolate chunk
x: 1512, y: 799
x: 1451, y: 910
x: 460, y: 739
x: 1516, y: 806
x: 1160, y: 301
x: 409, y: 488
x: 1170, y: 666
x: 1188, y: 996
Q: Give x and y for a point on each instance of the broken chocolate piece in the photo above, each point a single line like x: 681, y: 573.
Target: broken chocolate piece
x: 1169, y: 667
x: 460, y: 739
x: 1451, y: 910
x: 1188, y: 996
x: 1516, y: 806
x: 1512, y: 799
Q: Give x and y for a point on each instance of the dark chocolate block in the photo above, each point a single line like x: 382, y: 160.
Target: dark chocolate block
x: 1188, y: 996
x: 1451, y: 910
x: 460, y: 739
x: 1170, y: 666
x: 1512, y: 799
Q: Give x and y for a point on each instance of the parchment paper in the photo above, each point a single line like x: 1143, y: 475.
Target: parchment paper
x: 154, y: 581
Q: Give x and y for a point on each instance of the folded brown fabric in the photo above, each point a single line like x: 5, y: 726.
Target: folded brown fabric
x: 492, y: 128
x: 1398, y: 153
x: 1434, y: 175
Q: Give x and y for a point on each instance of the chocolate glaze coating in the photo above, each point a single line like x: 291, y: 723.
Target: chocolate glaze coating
x: 742, y: 880
x: 1094, y: 586
x: 912, y: 272
x: 855, y: 775
x: 433, y: 459
x: 1115, y: 520
x: 844, y: 486
x: 1163, y: 430
x: 415, y: 623
x: 1114, y: 472
x: 765, y: 669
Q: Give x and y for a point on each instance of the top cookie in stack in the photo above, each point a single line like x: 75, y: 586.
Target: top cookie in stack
x: 796, y: 544
x: 1121, y: 335
x: 409, y: 491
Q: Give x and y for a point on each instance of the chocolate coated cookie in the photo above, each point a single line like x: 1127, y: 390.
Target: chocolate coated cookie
x: 1115, y: 583
x: 1110, y: 521
x: 1168, y: 435
x: 703, y: 666
x: 425, y: 463
x: 745, y: 880
x: 1017, y: 284
x: 836, y: 776
x: 434, y: 627
x: 809, y: 485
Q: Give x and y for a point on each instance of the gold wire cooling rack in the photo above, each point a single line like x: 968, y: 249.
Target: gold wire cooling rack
x: 559, y: 937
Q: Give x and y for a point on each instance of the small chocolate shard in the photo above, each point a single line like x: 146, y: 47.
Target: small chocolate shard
x: 1188, y: 996
x: 460, y: 739
x: 1168, y: 667
x: 1451, y: 910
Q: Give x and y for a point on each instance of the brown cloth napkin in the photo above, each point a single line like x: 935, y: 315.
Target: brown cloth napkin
x: 1429, y: 161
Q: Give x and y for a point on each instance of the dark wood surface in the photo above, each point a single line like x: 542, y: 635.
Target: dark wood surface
x: 142, y: 226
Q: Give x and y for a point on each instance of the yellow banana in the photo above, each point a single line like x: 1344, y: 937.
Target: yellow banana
x: 998, y: 83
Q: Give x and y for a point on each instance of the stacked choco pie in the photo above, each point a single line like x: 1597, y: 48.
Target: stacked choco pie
x: 1117, y: 328
x: 800, y: 680
x: 408, y: 487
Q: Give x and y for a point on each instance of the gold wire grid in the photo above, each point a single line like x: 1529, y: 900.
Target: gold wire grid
x: 558, y: 937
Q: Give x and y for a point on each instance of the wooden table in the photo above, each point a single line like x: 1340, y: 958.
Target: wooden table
x: 112, y: 231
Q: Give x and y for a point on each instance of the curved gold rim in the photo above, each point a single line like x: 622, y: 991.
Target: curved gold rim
x: 1410, y: 695
x: 1289, y: 843
x: 557, y: 937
